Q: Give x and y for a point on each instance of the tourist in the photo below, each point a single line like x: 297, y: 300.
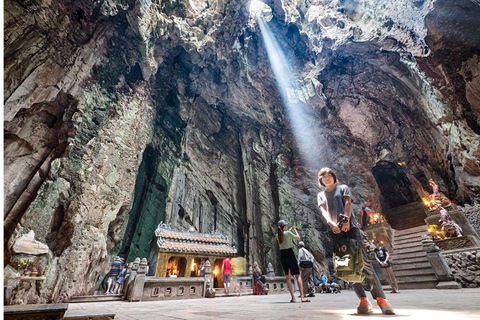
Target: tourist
x: 287, y: 257
x: 336, y: 201
x: 227, y: 274
x: 257, y: 277
x: 305, y: 262
x: 382, y: 256
x: 120, y: 279
x: 114, y: 271
x: 323, y: 282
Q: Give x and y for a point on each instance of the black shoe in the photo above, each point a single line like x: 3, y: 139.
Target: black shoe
x: 311, y: 295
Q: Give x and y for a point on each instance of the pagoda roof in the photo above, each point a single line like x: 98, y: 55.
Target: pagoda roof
x: 170, y: 240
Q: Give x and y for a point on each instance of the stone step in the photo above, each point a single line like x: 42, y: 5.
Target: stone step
x: 407, y: 250
x: 411, y: 265
x: 407, y: 241
x: 96, y: 298
x: 408, y: 246
x: 407, y: 261
x: 221, y: 292
x: 417, y: 235
x: 414, y: 272
x: 414, y: 230
x: 88, y: 315
x: 416, y: 278
x: 426, y: 284
x: 407, y: 255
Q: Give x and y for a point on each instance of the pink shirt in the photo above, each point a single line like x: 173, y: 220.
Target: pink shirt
x: 227, y: 266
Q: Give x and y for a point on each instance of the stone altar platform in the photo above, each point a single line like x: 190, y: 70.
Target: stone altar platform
x: 409, y: 304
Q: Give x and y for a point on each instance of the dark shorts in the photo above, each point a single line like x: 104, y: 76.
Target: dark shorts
x: 387, y: 266
x: 289, y: 262
x: 226, y: 278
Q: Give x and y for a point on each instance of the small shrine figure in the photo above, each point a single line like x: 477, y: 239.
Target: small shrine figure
x: 435, y: 187
x: 444, y: 215
x: 451, y: 229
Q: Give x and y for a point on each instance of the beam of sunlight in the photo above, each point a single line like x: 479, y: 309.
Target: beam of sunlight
x: 287, y: 83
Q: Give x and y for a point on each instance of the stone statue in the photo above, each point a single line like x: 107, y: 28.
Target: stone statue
x: 209, y: 291
x: 451, y: 229
x: 270, y: 270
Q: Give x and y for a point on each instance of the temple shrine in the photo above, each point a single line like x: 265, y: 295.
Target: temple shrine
x: 184, y: 253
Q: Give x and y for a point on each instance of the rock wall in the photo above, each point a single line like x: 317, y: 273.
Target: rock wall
x: 120, y: 114
x: 473, y: 215
x: 465, y: 267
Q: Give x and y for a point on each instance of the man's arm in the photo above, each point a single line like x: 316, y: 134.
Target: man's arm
x: 330, y: 222
x: 377, y: 258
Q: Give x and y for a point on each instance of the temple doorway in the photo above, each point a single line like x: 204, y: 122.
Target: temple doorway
x: 198, y: 267
x: 400, y: 202
x: 217, y: 273
x: 176, y: 267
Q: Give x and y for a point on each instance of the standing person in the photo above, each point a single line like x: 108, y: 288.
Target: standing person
x: 287, y: 256
x: 227, y: 274
x: 305, y: 262
x: 336, y: 201
x: 382, y: 256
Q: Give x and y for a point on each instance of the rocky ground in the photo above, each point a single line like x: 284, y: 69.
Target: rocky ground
x: 121, y: 114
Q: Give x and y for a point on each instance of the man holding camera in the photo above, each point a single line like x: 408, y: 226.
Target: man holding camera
x: 335, y: 204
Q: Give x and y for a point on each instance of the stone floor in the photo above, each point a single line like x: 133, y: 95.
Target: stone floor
x: 411, y: 304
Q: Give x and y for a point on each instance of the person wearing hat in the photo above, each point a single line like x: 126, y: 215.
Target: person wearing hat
x: 335, y: 205
x: 287, y: 257
x: 305, y: 262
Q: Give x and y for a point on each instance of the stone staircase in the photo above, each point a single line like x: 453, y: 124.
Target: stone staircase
x: 410, y: 264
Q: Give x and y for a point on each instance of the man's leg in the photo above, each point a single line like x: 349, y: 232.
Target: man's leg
x: 304, y: 274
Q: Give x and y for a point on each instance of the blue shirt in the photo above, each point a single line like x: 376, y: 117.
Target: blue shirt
x: 324, y: 279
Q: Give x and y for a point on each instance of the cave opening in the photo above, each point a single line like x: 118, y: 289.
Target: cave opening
x: 399, y: 201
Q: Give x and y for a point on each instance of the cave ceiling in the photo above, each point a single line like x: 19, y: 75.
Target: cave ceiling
x: 121, y: 114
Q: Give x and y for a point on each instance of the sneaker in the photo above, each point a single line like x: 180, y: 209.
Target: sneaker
x: 385, y: 306
x: 311, y: 295
x: 365, y: 306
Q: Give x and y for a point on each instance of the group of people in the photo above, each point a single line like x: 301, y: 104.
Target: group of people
x: 335, y: 205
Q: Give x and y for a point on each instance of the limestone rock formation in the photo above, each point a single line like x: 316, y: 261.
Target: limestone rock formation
x: 121, y: 114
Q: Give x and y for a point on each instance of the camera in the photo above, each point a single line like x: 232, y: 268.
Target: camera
x: 342, y: 219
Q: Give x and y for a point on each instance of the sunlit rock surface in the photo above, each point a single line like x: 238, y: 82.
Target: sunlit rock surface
x: 122, y: 114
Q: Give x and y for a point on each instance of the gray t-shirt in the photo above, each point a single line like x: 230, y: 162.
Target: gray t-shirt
x: 333, y: 200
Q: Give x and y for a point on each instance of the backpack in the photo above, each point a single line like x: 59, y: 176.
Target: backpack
x: 348, y: 260
x: 308, y: 263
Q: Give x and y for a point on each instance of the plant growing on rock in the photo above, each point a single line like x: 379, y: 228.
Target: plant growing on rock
x: 22, y: 264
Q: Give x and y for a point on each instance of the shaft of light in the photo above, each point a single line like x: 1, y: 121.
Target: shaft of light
x: 286, y: 82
